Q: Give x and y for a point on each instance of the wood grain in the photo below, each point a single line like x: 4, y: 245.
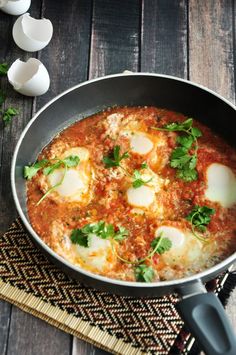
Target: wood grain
x: 164, y: 37
x: 9, y: 135
x: 115, y: 37
x: 5, y: 313
x: 67, y: 55
x: 91, y: 39
x: 32, y: 336
x: 211, y: 51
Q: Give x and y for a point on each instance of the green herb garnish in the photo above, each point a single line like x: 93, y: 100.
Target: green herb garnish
x: 48, y: 168
x: 30, y: 171
x: 8, y: 114
x: 101, y: 229
x: 68, y: 162
x: 144, y: 273
x: 181, y: 158
x: 199, y: 218
x: 114, y: 158
x: 161, y: 245
x: 3, y: 69
x: 138, y: 180
x: 144, y: 165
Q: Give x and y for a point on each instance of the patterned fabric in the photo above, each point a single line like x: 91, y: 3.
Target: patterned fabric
x: 151, y: 325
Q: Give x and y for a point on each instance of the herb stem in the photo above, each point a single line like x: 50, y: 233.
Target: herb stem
x: 54, y: 186
x: 193, y: 228
x: 141, y: 260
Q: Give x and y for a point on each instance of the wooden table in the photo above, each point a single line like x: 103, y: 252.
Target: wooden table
x: 192, y: 39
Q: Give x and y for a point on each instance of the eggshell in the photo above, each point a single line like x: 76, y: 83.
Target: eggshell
x: 31, y: 34
x: 29, y: 78
x: 15, y: 7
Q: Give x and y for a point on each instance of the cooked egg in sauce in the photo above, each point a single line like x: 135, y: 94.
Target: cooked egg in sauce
x: 126, y: 201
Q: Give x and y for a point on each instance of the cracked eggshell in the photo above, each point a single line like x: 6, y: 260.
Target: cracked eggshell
x: 31, y: 34
x: 29, y: 78
x: 15, y: 7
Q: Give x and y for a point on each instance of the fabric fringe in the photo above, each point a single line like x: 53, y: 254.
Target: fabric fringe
x: 64, y: 321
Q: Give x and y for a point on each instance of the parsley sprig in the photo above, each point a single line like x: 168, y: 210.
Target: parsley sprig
x: 30, y: 171
x: 3, y: 69
x: 200, y: 217
x: 48, y: 168
x: 8, y: 114
x: 138, y: 180
x: 181, y: 158
x: 82, y: 236
x: 144, y: 273
x: 159, y: 245
x: 114, y: 158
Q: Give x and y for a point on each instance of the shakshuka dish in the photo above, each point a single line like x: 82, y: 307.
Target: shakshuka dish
x: 137, y: 194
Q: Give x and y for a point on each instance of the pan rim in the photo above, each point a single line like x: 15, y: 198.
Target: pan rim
x: 170, y: 283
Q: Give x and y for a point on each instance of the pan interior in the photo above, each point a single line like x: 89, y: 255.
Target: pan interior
x: 129, y: 90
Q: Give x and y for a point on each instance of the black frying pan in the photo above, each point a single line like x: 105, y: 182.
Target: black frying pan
x: 202, y: 311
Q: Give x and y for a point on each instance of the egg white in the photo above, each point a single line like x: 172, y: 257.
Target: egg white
x: 221, y: 185
x: 186, y: 249
x: 77, y: 182
x: 98, y: 257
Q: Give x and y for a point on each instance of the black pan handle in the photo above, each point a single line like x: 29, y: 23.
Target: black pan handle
x: 206, y: 319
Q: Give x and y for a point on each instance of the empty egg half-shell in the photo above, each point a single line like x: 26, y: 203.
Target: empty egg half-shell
x: 29, y: 78
x: 31, y: 34
x: 15, y: 7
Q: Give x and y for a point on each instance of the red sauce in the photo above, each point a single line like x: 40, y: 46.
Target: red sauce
x: 177, y: 198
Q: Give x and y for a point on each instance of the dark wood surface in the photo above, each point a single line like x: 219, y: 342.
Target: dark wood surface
x: 192, y: 39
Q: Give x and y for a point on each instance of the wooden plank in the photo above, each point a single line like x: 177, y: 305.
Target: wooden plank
x: 5, y: 312
x: 164, y: 37
x: 29, y: 335
x: 114, y: 48
x: 67, y: 55
x: 115, y: 37
x: 211, y: 61
x: 8, y: 138
x: 67, y: 59
x: 10, y: 134
x: 211, y: 48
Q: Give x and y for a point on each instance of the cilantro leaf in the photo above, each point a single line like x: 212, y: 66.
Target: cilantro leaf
x: 30, y: 171
x: 174, y: 126
x: 200, y: 217
x: 162, y: 245
x: 185, y: 141
x: 49, y: 169
x: 187, y: 174
x: 138, y: 180
x: 100, y: 229
x: 3, y: 69
x: 181, y: 159
x: 144, y: 165
x: 121, y: 234
x: 8, y: 114
x: 114, y: 158
x: 81, y: 238
x: 144, y: 273
x: 69, y: 162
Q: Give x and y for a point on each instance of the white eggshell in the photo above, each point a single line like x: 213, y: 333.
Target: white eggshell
x: 15, y: 7
x: 31, y: 34
x: 29, y: 78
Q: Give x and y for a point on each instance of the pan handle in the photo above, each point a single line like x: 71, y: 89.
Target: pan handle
x: 206, y: 319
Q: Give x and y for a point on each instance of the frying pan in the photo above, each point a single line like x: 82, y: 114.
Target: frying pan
x: 202, y: 311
